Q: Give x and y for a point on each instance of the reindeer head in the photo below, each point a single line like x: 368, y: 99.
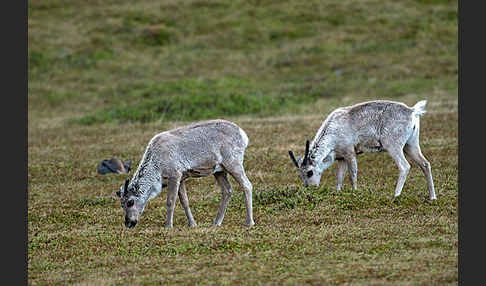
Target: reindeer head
x: 310, y: 170
x: 130, y: 203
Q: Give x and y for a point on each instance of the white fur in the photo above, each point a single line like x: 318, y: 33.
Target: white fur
x: 197, y: 150
x: 372, y: 126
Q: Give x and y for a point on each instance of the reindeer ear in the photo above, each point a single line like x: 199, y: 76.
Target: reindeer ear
x: 127, y: 165
x: 118, y: 193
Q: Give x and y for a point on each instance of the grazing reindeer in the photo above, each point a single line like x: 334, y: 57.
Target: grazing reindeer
x: 211, y: 147
x: 371, y: 126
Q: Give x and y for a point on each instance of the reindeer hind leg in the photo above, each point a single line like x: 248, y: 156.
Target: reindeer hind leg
x: 226, y: 192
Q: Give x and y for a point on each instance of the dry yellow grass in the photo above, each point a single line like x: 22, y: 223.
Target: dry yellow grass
x: 76, y: 234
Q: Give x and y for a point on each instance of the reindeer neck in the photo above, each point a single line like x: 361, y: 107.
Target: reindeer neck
x: 145, y: 178
x: 321, y: 146
x: 324, y: 140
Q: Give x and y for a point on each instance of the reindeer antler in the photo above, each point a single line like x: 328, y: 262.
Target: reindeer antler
x: 125, y: 190
x: 291, y: 154
x: 306, y: 154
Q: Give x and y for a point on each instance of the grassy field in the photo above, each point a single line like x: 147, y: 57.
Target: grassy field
x: 105, y: 76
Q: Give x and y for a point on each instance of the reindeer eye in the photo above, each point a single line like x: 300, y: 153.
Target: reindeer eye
x: 130, y: 203
x: 309, y: 174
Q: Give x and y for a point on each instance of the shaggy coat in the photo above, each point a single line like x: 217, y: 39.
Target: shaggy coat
x: 372, y: 126
x: 214, y: 147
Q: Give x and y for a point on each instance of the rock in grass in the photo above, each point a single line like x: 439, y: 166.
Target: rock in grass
x: 114, y: 165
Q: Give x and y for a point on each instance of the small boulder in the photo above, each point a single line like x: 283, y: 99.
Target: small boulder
x: 114, y: 165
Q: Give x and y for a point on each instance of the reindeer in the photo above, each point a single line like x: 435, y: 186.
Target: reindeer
x: 372, y: 126
x: 197, y: 150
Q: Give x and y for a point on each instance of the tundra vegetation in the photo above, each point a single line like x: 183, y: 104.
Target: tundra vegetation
x: 105, y: 77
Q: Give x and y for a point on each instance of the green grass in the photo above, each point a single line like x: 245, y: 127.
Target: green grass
x: 113, y: 54
x: 193, y: 99
x: 104, y: 78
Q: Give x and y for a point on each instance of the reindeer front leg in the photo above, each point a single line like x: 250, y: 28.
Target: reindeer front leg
x: 185, y: 204
x: 172, y: 190
x: 352, y: 164
x: 341, y: 171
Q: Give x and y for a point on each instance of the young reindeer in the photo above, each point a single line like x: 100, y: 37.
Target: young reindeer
x: 211, y: 147
x: 371, y: 126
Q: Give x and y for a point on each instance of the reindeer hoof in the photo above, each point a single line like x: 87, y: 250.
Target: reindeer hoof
x: 249, y: 224
x: 215, y: 223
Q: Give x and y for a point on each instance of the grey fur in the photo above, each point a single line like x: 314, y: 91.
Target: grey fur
x: 200, y: 149
x: 372, y: 126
